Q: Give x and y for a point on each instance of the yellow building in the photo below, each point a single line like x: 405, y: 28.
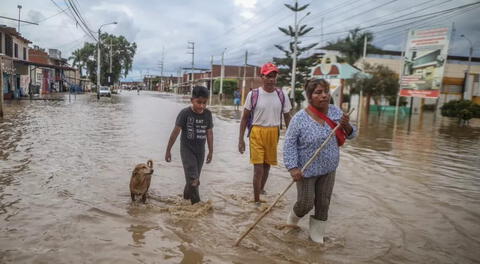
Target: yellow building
x: 454, y: 77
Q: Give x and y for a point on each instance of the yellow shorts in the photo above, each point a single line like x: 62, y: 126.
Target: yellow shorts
x: 263, y: 145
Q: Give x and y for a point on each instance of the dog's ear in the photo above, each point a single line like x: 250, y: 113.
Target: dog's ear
x: 150, y: 163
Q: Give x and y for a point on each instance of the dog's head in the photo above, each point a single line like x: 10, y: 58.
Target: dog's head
x: 144, y: 169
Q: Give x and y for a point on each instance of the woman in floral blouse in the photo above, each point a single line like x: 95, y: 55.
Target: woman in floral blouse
x: 308, y: 129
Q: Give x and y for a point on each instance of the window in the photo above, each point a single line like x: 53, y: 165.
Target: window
x: 16, y: 50
x: 24, y: 53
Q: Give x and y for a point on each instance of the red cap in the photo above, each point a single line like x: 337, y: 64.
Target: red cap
x: 268, y: 68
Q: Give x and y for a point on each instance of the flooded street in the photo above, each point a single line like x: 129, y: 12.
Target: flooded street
x: 65, y: 169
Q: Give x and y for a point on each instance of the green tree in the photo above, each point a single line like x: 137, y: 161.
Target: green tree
x: 383, y: 83
x: 285, y: 63
x: 351, y: 47
x: 81, y: 57
x: 122, y: 57
x: 229, y: 86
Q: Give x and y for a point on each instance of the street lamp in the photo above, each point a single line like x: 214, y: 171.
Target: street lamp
x: 469, y: 62
x: 294, y: 62
x: 98, y: 57
x: 19, y: 8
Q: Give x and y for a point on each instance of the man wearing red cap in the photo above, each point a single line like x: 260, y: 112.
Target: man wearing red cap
x: 262, y: 114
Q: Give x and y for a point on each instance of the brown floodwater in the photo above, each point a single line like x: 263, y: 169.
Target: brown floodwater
x: 65, y: 168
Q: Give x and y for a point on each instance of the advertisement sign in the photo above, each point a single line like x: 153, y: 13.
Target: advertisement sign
x: 425, y: 59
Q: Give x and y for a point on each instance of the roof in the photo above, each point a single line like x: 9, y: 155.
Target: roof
x: 13, y: 31
x: 45, y: 65
x: 399, y: 53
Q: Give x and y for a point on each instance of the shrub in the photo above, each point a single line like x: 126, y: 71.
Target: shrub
x: 229, y: 86
x: 462, y: 109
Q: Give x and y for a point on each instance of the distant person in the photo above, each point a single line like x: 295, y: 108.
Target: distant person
x: 236, y: 98
x: 262, y: 114
x: 307, y: 131
x: 138, y: 90
x: 196, y: 125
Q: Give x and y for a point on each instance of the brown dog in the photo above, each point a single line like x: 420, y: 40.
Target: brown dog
x: 140, y: 181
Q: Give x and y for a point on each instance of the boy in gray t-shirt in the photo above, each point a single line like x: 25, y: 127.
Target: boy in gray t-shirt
x: 195, y: 123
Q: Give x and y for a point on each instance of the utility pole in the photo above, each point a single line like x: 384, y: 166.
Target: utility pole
x: 110, y: 69
x: 161, y: 70
x: 179, y: 80
x: 244, y: 77
x: 222, y: 73
x: 397, y: 103
x: 19, y: 8
x: 98, y: 57
x: 1, y: 87
x: 149, y: 79
x: 111, y: 47
x: 467, y: 73
x: 360, y: 96
x: 191, y: 46
x: 211, y: 79
x: 98, y: 66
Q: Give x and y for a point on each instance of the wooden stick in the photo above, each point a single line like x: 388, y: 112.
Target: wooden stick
x: 309, y: 162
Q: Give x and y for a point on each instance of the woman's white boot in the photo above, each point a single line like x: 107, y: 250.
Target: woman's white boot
x: 292, y: 218
x: 317, y: 230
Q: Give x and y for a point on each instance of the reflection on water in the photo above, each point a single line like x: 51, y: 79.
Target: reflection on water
x: 64, y: 197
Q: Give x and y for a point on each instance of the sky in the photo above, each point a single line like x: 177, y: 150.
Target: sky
x: 234, y: 26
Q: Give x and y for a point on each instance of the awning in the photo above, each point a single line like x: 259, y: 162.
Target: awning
x: 336, y: 71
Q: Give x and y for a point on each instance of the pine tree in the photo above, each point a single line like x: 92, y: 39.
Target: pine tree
x: 303, y: 64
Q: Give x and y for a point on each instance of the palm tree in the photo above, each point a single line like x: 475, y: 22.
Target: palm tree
x: 351, y: 47
x: 77, y: 60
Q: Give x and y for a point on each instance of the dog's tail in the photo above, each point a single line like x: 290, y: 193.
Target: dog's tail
x: 150, y: 163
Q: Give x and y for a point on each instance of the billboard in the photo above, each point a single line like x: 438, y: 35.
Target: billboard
x: 424, y: 62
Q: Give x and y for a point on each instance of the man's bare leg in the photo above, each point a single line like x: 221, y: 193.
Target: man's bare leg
x: 258, y: 172
x: 266, y: 170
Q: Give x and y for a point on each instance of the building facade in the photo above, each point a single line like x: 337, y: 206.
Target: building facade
x: 14, y: 48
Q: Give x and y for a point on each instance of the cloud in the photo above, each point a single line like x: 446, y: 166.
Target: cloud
x: 237, y: 25
x: 35, y: 16
x: 250, y: 4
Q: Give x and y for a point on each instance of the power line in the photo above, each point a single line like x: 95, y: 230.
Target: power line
x: 260, y: 28
x: 427, y: 23
x: 338, y: 9
x: 408, y: 8
x: 234, y: 27
x: 45, y: 19
x: 71, y: 16
x: 76, y: 13
x: 14, y: 19
x: 345, y: 30
x: 388, y: 22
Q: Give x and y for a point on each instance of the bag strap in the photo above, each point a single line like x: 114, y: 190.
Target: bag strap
x: 254, y: 99
x: 281, y: 96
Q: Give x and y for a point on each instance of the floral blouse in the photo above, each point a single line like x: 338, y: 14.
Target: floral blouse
x: 305, y: 135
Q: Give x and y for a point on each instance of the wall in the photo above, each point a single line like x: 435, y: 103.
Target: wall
x: 453, y: 69
x: 21, y: 45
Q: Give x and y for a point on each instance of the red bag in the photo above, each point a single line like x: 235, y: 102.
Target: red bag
x: 340, y: 133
